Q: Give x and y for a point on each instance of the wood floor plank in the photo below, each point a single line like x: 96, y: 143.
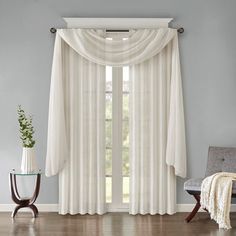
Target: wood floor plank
x: 110, y: 224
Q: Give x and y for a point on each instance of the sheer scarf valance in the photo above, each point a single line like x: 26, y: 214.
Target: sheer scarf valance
x: 93, y: 46
x: 140, y: 46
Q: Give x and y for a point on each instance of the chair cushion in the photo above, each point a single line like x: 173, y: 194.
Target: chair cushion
x: 195, y: 185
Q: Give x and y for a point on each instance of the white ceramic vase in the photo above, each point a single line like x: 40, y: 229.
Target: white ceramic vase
x: 28, y: 162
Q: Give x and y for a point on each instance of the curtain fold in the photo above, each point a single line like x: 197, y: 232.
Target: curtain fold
x: 57, y: 147
x: 76, y: 138
x: 176, y: 143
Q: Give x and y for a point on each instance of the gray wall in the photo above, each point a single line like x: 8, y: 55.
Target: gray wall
x: 208, y: 55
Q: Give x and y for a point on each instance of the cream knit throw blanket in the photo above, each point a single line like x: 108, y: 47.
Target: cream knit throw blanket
x: 216, y: 191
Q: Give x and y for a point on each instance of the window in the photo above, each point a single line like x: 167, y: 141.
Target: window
x: 117, y: 136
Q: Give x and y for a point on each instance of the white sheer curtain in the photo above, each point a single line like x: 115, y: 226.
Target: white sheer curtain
x: 82, y: 180
x: 153, y: 182
x: 76, y: 118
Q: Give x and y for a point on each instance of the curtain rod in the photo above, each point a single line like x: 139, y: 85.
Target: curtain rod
x: 54, y: 30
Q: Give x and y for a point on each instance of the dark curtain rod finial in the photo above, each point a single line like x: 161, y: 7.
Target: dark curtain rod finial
x: 180, y: 30
x: 53, y: 30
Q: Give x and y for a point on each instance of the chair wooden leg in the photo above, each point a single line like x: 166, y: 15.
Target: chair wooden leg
x: 195, y: 209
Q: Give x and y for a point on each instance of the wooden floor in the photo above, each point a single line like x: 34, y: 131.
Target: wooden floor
x: 111, y: 224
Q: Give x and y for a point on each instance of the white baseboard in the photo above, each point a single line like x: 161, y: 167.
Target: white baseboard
x: 54, y: 208
x: 189, y: 208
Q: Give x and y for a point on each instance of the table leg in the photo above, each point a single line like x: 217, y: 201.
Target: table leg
x: 34, y: 209
x: 15, y: 211
x: 21, y: 203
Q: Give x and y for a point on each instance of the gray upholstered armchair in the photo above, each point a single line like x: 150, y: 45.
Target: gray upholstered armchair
x: 220, y: 159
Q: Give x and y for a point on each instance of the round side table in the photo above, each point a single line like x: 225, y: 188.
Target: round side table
x: 24, y: 202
